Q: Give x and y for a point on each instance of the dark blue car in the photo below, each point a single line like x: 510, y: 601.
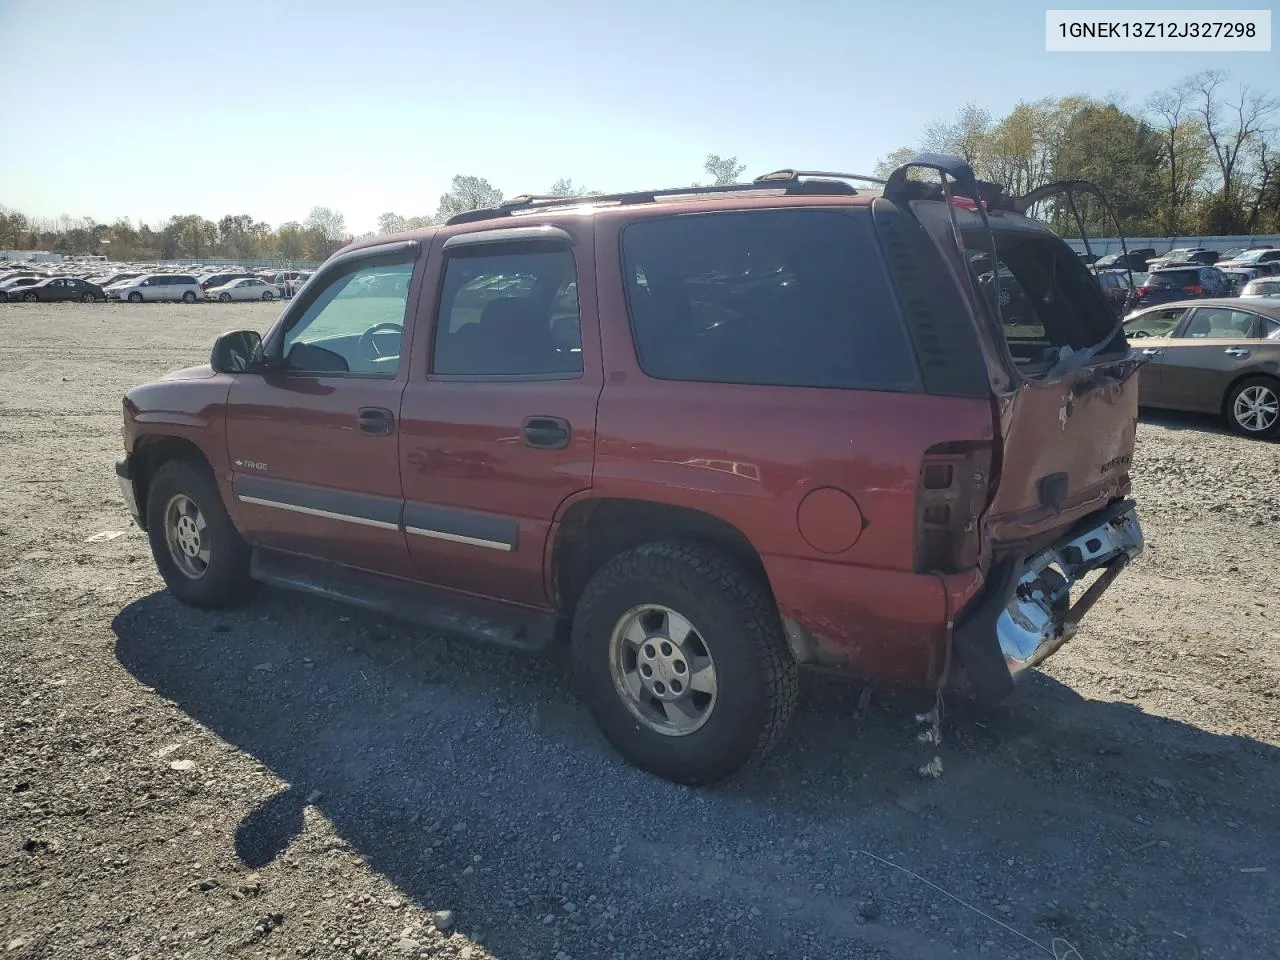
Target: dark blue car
x: 1188, y: 282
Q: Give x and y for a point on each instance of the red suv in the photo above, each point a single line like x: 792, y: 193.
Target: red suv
x: 708, y: 434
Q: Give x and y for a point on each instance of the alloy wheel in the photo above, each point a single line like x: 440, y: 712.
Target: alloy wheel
x: 662, y: 670
x: 186, y: 533
x: 1256, y: 408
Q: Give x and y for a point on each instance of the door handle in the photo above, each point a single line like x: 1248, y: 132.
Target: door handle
x: 546, y: 433
x: 1236, y: 351
x: 376, y: 421
x: 1152, y: 353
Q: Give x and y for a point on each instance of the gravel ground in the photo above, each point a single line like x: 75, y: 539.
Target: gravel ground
x: 299, y: 779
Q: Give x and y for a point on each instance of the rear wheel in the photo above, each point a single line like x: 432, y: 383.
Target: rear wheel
x: 188, y: 297
x: 198, y: 551
x: 680, y: 656
x: 135, y: 297
x: 1253, y: 407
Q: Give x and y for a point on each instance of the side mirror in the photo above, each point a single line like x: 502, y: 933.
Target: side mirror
x: 236, y: 352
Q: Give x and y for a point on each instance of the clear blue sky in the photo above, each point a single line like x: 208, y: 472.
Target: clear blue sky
x: 144, y: 110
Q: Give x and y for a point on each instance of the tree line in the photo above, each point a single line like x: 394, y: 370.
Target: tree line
x: 1200, y: 158
x: 240, y: 236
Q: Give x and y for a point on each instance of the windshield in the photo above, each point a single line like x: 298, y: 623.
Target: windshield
x: 1264, y: 288
x: 1251, y: 255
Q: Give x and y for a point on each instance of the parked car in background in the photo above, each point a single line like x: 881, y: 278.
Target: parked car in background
x: 1259, y: 257
x: 1200, y: 255
x: 55, y: 289
x: 158, y: 286
x: 111, y: 279
x: 1115, y: 287
x: 11, y: 275
x: 243, y: 288
x: 218, y: 279
x: 1237, y: 278
x: 288, y: 282
x: 704, y: 468
x: 1261, y: 288
x: 12, y: 289
x: 1213, y: 356
x: 1164, y: 284
x: 1136, y: 260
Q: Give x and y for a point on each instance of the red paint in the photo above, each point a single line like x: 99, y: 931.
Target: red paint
x: 822, y: 483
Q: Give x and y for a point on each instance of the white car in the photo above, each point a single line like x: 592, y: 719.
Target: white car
x: 246, y: 288
x: 157, y: 286
x: 1261, y: 287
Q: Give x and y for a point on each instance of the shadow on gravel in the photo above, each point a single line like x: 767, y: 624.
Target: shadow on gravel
x: 1130, y: 835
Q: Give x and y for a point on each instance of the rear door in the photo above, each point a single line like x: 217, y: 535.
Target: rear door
x: 1212, y: 349
x: 498, y: 422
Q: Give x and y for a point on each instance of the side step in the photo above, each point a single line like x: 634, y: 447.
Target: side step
x: 470, y: 617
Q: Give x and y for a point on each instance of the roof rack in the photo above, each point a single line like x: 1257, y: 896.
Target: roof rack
x: 789, y: 181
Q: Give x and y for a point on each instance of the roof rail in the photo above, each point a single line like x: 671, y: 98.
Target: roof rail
x: 788, y: 180
x: 786, y: 176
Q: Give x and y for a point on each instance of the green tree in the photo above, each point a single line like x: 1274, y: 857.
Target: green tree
x: 326, y: 231
x: 723, y: 170
x: 1121, y: 155
x: 467, y: 193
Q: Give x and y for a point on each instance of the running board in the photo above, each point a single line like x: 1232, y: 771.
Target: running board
x: 474, y: 618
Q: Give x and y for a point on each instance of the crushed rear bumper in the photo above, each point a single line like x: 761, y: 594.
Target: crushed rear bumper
x: 1027, y: 613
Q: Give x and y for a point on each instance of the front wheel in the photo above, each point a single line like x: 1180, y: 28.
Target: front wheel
x: 197, y: 549
x: 268, y: 295
x: 87, y: 298
x: 680, y: 656
x: 1253, y: 407
x: 29, y: 298
x: 135, y: 298
x: 188, y: 297
x: 224, y: 297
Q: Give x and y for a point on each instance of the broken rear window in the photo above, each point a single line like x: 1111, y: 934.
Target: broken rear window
x: 1050, y: 305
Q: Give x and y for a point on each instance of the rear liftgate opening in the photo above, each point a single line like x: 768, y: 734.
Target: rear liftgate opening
x: 1046, y: 312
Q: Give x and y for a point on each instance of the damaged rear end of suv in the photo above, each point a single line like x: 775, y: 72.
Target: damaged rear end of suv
x: 1057, y: 526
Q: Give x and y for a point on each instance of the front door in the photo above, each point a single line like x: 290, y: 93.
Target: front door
x: 1149, y: 334
x: 314, y: 442
x: 1213, y: 348
x: 498, y: 419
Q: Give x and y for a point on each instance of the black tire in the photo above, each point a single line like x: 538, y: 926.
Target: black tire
x: 87, y: 298
x: 225, y: 581
x: 30, y: 298
x: 224, y: 297
x: 1271, y: 388
x: 135, y: 297
x: 268, y: 295
x: 188, y: 297
x: 756, y: 676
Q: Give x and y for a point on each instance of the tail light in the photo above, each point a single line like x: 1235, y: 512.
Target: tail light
x: 951, y: 495
x: 1194, y: 288
x: 1143, y: 291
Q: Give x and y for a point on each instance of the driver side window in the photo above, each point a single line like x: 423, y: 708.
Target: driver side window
x: 355, y: 326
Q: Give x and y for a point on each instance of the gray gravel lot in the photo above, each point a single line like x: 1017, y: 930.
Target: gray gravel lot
x: 299, y: 779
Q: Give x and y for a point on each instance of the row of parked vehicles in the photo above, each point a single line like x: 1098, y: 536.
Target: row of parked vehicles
x: 1186, y: 273
x: 33, y: 286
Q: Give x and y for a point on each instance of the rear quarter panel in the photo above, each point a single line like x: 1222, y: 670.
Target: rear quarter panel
x: 749, y: 455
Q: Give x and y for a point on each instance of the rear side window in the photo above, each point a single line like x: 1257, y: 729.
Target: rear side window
x: 509, y: 312
x: 778, y: 297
